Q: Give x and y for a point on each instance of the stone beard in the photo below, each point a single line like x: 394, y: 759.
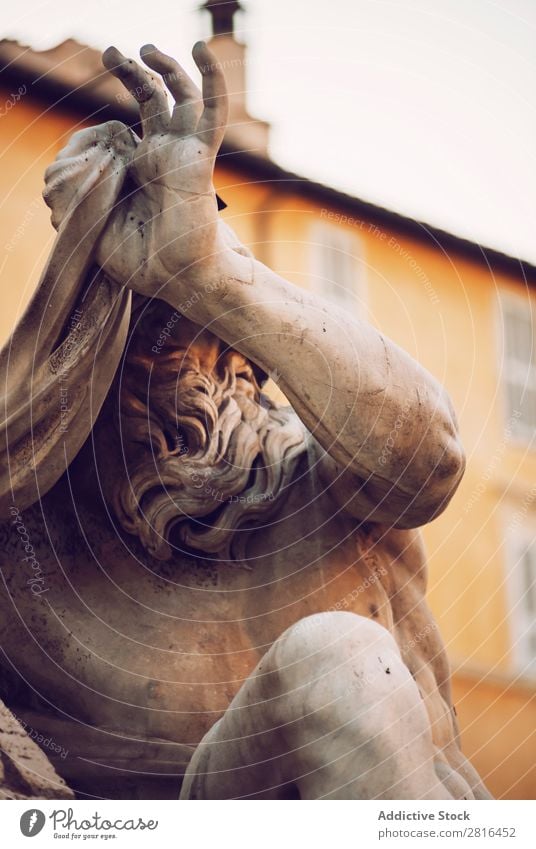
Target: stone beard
x: 205, y: 454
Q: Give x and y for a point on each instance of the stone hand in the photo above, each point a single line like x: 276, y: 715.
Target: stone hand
x: 166, y: 226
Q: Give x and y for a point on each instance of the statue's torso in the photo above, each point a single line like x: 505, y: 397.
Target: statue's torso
x: 157, y: 650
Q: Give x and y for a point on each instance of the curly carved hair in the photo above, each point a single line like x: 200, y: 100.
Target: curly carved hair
x: 207, y: 455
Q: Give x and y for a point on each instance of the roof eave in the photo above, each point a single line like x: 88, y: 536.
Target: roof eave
x: 90, y: 106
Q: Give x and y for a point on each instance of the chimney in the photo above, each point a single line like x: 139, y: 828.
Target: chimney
x: 244, y: 132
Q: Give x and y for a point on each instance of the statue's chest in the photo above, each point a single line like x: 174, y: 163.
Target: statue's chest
x: 102, y: 583
x: 115, y: 627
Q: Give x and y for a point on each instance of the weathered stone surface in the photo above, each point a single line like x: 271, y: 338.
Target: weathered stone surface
x: 25, y: 770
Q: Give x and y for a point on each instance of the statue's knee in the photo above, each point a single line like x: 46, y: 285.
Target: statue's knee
x: 333, y: 644
x: 339, y: 673
x: 326, y: 633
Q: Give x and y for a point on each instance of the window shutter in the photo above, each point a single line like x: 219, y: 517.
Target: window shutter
x: 519, y: 366
x: 528, y: 601
x: 335, y: 267
x: 522, y: 580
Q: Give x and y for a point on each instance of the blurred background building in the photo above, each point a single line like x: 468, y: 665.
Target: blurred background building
x: 465, y: 312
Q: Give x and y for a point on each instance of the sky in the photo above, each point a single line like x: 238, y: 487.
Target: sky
x: 425, y: 107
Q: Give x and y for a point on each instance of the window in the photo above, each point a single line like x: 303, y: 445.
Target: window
x: 335, y: 265
x: 522, y: 585
x: 519, y: 365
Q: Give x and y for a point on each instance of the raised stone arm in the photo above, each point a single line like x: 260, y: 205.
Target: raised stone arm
x: 386, y: 423
x: 387, y: 426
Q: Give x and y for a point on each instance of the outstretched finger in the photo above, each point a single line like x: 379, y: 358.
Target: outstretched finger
x: 188, y: 103
x: 144, y: 87
x: 213, y: 121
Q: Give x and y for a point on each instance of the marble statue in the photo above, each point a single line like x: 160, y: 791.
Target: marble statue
x: 204, y: 592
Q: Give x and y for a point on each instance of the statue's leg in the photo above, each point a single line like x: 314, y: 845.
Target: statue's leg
x: 331, y: 711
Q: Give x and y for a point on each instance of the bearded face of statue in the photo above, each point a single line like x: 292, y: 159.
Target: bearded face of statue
x: 205, y: 455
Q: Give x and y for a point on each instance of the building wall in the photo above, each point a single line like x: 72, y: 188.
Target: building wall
x: 30, y: 138
x: 444, y: 311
